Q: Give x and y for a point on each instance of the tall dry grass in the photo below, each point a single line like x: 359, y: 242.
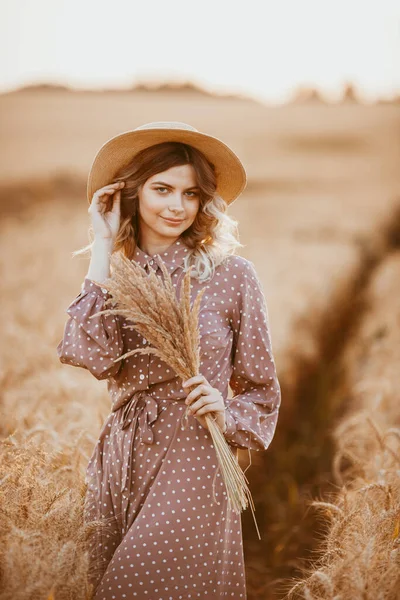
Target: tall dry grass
x: 43, y: 537
x: 361, y: 548
x: 298, y: 466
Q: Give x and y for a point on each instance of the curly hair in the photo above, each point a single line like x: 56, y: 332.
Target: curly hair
x: 212, y: 236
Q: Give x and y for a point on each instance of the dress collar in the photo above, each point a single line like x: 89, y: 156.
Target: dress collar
x: 173, y: 256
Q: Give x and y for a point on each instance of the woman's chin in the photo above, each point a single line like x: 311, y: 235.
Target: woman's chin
x: 169, y: 232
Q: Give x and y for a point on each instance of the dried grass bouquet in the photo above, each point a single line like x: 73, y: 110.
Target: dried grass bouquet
x: 171, y: 327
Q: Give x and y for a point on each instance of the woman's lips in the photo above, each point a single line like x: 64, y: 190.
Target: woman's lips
x: 172, y: 222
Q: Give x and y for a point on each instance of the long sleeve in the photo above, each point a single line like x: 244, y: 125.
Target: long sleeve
x: 252, y: 413
x: 92, y: 344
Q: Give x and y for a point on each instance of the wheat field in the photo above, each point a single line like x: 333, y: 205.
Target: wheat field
x: 321, y: 220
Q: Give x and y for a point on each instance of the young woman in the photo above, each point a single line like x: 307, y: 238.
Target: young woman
x: 160, y: 193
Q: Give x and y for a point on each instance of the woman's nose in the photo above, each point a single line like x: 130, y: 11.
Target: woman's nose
x: 176, y: 203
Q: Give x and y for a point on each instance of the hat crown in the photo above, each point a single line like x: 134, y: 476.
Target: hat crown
x: 166, y: 125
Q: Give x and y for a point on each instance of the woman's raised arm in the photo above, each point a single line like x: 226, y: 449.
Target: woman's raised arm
x: 94, y: 344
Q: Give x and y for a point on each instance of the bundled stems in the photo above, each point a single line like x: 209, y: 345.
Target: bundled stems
x: 171, y: 328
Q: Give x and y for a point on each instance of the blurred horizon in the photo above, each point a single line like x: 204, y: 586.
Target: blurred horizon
x: 262, y: 50
x: 302, y: 93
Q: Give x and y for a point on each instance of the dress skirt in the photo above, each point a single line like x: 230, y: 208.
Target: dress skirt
x: 170, y: 532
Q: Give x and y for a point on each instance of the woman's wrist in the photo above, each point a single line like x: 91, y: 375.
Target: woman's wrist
x: 103, y: 244
x: 99, y: 267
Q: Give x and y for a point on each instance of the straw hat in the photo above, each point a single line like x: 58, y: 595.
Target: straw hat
x: 121, y: 149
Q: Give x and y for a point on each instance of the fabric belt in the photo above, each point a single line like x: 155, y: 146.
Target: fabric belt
x: 141, y: 410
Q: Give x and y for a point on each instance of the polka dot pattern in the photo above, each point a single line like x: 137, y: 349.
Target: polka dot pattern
x: 171, y: 534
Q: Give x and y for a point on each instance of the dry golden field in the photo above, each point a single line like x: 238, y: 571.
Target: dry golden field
x: 321, y: 220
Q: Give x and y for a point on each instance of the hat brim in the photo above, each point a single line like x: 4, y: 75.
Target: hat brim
x: 121, y: 149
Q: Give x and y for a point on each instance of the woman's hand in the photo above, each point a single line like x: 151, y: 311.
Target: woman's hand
x: 205, y: 399
x: 105, y: 211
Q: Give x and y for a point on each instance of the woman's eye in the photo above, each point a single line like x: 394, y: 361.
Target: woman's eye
x: 161, y: 188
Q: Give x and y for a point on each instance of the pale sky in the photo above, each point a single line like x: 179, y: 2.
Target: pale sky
x: 262, y: 48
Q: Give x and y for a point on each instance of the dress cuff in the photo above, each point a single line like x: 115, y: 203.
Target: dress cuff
x: 90, y: 286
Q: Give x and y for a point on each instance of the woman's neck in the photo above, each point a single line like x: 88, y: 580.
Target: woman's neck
x: 152, y: 247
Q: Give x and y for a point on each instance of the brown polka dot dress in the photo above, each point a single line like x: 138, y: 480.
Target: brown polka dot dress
x: 171, y: 534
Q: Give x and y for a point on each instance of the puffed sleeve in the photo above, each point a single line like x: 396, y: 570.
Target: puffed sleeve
x: 252, y: 414
x: 92, y: 344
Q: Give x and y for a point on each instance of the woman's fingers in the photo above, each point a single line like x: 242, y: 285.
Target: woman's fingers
x: 198, y: 408
x: 193, y: 380
x: 212, y: 407
x: 115, y: 186
x: 104, y: 196
x: 195, y: 404
x: 105, y: 211
x: 202, y: 389
x: 109, y: 189
x: 116, y: 207
x: 103, y: 193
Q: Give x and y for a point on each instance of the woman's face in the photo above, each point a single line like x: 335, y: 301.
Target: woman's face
x: 172, y: 194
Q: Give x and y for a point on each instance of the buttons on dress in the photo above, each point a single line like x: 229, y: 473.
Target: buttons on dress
x: 104, y: 290
x: 151, y: 262
x: 141, y: 376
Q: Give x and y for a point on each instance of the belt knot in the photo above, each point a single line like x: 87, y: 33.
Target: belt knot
x: 143, y: 409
